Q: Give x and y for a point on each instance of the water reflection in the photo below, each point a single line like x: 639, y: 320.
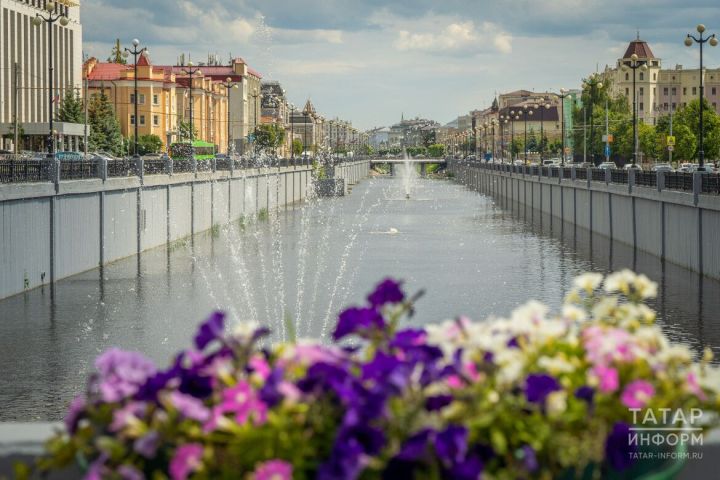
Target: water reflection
x: 471, y: 255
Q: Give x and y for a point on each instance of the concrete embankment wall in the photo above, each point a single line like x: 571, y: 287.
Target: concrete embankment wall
x: 672, y: 225
x: 47, y: 235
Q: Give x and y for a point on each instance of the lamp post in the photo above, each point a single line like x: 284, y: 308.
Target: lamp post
x: 501, y: 123
x: 190, y: 71
x: 564, y: 93
x: 544, y: 105
x: 135, y: 52
x: 52, y: 17
x: 527, y: 112
x: 228, y: 84
x: 593, y: 83
x: 493, y: 122
x: 633, y: 64
x: 701, y: 40
x: 512, y: 134
x: 292, y: 133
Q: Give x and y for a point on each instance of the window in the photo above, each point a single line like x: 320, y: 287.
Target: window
x: 684, y: 90
x: 694, y: 90
x: 665, y: 91
x: 665, y: 106
x: 156, y: 120
x: 713, y: 90
x: 654, y: 76
x: 674, y: 91
x: 642, y: 76
x: 641, y: 91
x: 627, y: 92
x: 141, y: 98
x: 642, y: 107
x: 132, y: 119
x: 142, y: 119
x: 674, y: 106
x: 156, y: 99
x: 654, y: 91
x: 627, y: 77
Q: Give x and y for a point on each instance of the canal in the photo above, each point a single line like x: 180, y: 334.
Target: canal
x: 303, y: 265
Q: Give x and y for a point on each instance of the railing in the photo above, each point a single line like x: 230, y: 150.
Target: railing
x: 711, y: 184
x: 619, y: 176
x: 77, y: 170
x: 598, y: 175
x: 646, y: 179
x: 123, y: 167
x: 581, y: 173
x: 679, y: 181
x: 155, y: 166
x: 17, y: 169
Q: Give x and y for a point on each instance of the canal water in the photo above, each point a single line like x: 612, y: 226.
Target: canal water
x: 303, y: 264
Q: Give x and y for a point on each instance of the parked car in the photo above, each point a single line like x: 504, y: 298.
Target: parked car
x: 687, y: 167
x: 551, y: 162
x: 607, y: 166
x: 518, y: 163
x: 662, y: 167
x: 586, y: 165
x: 631, y: 166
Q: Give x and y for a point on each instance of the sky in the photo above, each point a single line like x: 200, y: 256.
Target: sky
x: 371, y: 61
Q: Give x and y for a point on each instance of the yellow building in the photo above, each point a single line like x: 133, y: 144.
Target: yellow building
x: 163, y: 99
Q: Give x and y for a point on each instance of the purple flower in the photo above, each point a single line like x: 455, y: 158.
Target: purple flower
x: 388, y: 291
x: 415, y: 447
x: 212, y: 329
x: 618, y: 450
x: 271, y: 392
x: 127, y: 414
x: 539, y: 386
x: 513, y: 343
x: 147, y: 445
x: 438, y: 402
x: 190, y: 407
x: 243, y: 401
x: 357, y: 320
x: 187, y: 459
x: 451, y: 444
x: 273, y: 470
x: 121, y: 374
x: 585, y: 393
x: 387, y: 371
x: 74, y: 414
x: 408, y: 338
x: 128, y: 472
x: 529, y: 458
x: 344, y: 462
x: 467, y: 469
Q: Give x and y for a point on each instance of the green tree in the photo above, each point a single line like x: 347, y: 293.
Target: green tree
x: 532, y: 143
x: 690, y: 117
x: 118, y: 55
x: 436, y: 150
x: 516, y: 147
x: 428, y: 137
x: 269, y: 137
x: 297, y: 146
x: 648, y: 142
x: 184, y: 131
x: 147, y: 144
x: 685, y: 139
x: 71, y: 108
x: 104, y: 128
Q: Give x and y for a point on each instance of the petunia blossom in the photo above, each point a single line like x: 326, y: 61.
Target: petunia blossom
x: 187, y: 459
x: 637, y: 394
x: 273, y: 470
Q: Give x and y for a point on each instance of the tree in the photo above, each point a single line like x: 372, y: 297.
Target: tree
x: 104, y: 128
x: 297, y: 146
x: 685, y: 139
x: 268, y: 137
x: 71, y: 108
x: 647, y: 141
x: 10, y: 135
x: 690, y: 117
x: 516, y: 147
x: 428, y: 137
x: 147, y: 144
x: 184, y: 131
x: 118, y: 55
x: 532, y: 143
x: 436, y: 150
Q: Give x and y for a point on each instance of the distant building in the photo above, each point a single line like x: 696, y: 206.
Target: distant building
x: 410, y: 132
x: 660, y: 90
x: 24, y: 86
x: 379, y: 138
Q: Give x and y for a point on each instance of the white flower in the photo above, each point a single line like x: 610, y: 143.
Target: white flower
x: 573, y: 313
x: 645, y: 287
x: 555, y: 365
x: 244, y: 330
x: 556, y: 403
x: 620, y: 281
x: 588, y: 282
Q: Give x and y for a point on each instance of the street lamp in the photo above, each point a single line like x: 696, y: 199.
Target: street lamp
x: 135, y: 52
x: 527, y: 111
x: 51, y: 18
x: 564, y: 93
x: 594, y: 83
x: 229, y: 85
x: 493, y: 122
x: 544, y: 105
x: 190, y: 71
x: 292, y: 133
x: 713, y: 41
x: 633, y: 64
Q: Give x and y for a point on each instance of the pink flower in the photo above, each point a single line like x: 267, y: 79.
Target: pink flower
x: 187, y: 459
x: 637, y: 394
x: 126, y: 415
x: 608, y: 377
x: 694, y: 387
x: 260, y: 366
x: 273, y: 470
x: 243, y: 401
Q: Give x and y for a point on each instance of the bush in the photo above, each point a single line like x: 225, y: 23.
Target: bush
x: 533, y: 395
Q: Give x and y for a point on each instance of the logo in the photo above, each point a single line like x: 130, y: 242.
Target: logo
x: 669, y: 430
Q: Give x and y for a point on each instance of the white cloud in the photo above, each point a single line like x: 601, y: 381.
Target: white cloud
x: 454, y: 36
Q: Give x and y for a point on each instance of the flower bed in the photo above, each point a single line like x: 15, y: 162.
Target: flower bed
x: 530, y: 396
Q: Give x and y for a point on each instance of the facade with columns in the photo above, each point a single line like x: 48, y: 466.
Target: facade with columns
x: 25, y: 89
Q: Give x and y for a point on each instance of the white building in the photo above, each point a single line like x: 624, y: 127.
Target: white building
x: 24, y: 85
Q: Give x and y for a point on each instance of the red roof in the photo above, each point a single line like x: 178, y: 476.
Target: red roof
x: 639, y: 48
x: 107, y: 71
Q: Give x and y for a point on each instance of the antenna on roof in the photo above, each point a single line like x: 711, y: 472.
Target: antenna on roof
x: 638, y: 34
